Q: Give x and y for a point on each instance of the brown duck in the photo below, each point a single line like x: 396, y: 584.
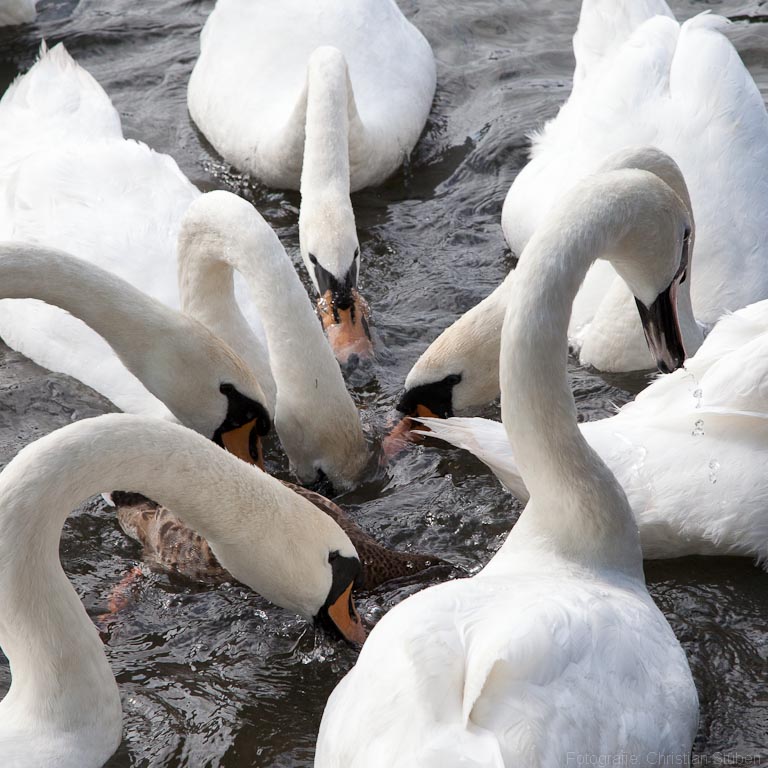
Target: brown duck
x: 171, y: 544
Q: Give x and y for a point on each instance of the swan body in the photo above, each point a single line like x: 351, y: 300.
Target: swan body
x: 691, y: 451
x: 62, y: 157
x: 63, y: 707
x: 460, y: 368
x: 326, y: 97
x: 14, y: 12
x: 555, y: 647
x: 641, y: 79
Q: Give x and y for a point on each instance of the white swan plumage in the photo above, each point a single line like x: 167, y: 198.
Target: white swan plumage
x: 68, y: 179
x: 555, y: 648
x: 691, y: 451
x: 641, y: 79
x: 684, y: 89
x: 461, y: 367
x: 63, y: 707
x: 326, y: 97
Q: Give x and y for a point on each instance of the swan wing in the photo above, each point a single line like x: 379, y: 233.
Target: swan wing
x: 604, y: 25
x: 85, y: 189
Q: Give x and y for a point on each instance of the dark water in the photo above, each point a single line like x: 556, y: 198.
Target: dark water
x: 215, y: 677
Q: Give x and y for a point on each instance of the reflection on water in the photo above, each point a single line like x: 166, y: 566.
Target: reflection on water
x: 218, y: 676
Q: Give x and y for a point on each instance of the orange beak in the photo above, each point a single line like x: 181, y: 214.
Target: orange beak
x: 347, y: 329
x: 404, y: 432
x: 344, y: 615
x: 244, y: 442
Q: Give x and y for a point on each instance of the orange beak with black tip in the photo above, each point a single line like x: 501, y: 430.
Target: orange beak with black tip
x: 404, y: 432
x: 345, y: 320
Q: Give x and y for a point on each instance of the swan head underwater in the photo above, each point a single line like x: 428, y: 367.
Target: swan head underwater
x: 331, y: 253
x: 460, y: 369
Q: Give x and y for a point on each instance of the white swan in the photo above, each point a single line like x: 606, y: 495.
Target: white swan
x: 691, y: 451
x: 555, y: 649
x: 14, y: 12
x: 199, y: 379
x: 326, y: 97
x: 69, y: 180
x: 682, y: 88
x: 460, y: 368
x: 63, y: 707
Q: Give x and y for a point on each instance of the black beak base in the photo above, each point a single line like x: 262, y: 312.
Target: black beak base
x: 436, y: 396
x: 662, y: 329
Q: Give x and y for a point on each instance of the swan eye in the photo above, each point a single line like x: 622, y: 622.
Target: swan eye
x: 333, y: 556
x: 313, y: 259
x: 453, y: 379
x: 357, y: 253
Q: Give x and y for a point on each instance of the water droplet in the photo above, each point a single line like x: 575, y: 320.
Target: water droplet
x: 698, y: 394
x: 698, y: 428
x: 714, y: 468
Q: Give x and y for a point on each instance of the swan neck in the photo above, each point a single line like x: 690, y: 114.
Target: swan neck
x: 314, y: 413
x: 576, y: 506
x: 107, y: 304
x: 207, y: 293
x: 61, y: 678
x: 325, y: 168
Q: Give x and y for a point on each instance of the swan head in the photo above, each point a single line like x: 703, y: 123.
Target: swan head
x: 312, y: 567
x: 211, y: 390
x: 654, y: 259
x: 459, y: 369
x: 331, y: 253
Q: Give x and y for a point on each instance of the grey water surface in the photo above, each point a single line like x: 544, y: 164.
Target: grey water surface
x: 218, y: 677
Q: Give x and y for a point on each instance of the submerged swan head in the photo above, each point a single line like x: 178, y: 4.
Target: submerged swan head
x: 211, y: 390
x: 315, y: 416
x: 331, y: 253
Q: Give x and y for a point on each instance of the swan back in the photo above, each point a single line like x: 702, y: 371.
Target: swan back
x: 683, y: 89
x: 252, y: 72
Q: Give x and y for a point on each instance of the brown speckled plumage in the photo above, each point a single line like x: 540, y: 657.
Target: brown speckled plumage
x: 171, y: 544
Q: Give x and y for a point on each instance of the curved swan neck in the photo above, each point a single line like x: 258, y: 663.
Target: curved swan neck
x: 110, y: 306
x: 314, y: 414
x: 207, y: 293
x: 577, y: 506
x: 325, y: 167
x: 61, y: 678
x: 157, y: 344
